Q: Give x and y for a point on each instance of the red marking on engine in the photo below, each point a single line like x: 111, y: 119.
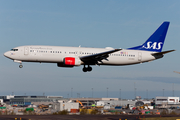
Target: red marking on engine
x: 69, y: 61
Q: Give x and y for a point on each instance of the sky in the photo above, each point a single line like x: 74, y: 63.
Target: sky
x: 89, y: 23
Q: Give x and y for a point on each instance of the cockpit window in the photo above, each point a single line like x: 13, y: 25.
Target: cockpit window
x: 14, y: 49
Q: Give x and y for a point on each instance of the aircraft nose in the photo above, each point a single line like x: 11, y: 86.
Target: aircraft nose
x: 6, y: 54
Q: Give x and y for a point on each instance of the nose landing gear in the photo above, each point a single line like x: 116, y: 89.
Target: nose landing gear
x: 20, y: 66
x: 85, y: 69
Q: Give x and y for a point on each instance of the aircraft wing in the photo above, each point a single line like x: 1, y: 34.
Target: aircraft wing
x: 162, y: 53
x: 94, y: 58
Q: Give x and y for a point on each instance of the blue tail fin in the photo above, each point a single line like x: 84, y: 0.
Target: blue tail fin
x: 156, y: 41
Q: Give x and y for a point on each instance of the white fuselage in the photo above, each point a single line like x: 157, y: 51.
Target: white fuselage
x: 56, y: 54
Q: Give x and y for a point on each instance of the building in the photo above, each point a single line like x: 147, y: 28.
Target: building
x: 6, y: 98
x: 59, y: 106
x: 28, y: 100
x: 115, y: 103
x: 86, y: 101
x: 166, y: 100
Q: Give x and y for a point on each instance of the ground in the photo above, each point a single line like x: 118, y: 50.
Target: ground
x: 80, y: 117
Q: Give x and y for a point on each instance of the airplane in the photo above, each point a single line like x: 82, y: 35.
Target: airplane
x: 76, y: 56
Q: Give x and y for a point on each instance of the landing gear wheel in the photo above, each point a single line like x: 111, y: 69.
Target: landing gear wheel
x: 84, y: 69
x: 20, y: 66
x: 89, y: 69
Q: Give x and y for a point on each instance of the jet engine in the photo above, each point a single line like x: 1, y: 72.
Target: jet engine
x: 70, y: 62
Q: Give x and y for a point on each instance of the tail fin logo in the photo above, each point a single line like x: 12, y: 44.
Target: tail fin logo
x: 156, y: 41
x: 155, y: 45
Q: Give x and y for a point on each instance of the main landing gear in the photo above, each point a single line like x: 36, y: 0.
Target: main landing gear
x: 85, y: 69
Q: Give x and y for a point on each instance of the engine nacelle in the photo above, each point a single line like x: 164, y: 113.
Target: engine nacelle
x: 70, y: 62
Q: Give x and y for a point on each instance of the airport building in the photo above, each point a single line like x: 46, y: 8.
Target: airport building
x: 167, y: 100
x: 59, y: 106
x: 37, y: 100
x: 90, y: 101
x: 28, y: 100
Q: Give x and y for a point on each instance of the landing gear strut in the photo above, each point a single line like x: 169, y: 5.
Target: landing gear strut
x: 20, y: 66
x: 85, y: 69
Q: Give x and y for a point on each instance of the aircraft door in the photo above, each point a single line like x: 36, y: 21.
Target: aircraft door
x: 26, y: 50
x: 139, y: 56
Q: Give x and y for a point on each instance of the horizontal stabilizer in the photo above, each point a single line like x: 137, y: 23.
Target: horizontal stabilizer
x: 176, y: 72
x: 162, y: 53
